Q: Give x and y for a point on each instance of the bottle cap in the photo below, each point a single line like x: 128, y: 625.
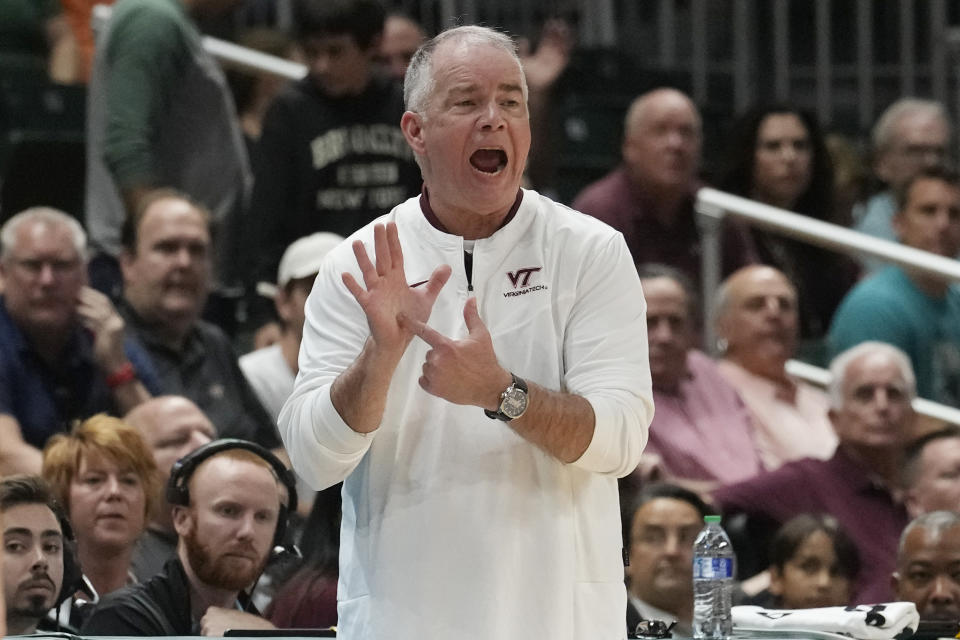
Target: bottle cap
x: 711, y: 518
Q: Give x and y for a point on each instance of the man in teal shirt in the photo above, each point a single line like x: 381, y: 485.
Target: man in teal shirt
x: 916, y: 312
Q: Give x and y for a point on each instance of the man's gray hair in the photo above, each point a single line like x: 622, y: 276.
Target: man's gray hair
x: 884, y: 131
x: 840, y: 364
x: 419, y: 83
x: 42, y: 215
x: 935, y: 522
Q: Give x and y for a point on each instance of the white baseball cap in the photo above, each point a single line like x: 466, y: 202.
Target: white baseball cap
x: 301, y: 259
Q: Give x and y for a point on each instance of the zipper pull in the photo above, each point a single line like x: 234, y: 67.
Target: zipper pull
x: 468, y: 267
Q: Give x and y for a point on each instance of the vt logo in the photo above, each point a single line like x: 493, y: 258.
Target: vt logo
x: 521, y: 277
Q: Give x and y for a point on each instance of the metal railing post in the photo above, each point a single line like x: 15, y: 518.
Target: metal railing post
x: 709, y: 223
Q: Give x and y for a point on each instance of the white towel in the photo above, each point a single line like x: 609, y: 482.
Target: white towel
x: 889, y: 621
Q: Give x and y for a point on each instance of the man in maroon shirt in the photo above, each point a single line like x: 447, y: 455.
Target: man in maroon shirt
x: 649, y: 197
x: 870, y: 395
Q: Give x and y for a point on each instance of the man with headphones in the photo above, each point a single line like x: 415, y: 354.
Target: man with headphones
x: 230, y: 503
x: 34, y: 533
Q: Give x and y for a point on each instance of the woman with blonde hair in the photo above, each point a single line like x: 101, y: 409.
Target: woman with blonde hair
x: 105, y: 476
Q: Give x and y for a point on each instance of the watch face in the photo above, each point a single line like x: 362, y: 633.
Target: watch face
x: 514, y: 402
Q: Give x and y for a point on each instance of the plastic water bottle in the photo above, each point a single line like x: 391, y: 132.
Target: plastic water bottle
x: 714, y: 565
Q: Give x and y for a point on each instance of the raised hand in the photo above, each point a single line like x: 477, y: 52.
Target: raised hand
x: 544, y: 66
x: 98, y: 315
x: 386, y: 294
x: 462, y: 371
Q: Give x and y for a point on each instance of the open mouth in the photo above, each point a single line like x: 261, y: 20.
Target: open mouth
x: 489, y: 160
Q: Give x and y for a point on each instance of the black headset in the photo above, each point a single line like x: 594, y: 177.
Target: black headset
x: 178, y: 490
x: 72, y: 580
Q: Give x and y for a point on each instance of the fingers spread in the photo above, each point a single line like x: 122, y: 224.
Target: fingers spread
x: 363, y: 261
x: 437, y: 279
x: 382, y: 247
x: 353, y: 286
x: 393, y: 242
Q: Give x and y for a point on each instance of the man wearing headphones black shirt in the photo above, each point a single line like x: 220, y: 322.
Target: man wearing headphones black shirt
x: 230, y: 502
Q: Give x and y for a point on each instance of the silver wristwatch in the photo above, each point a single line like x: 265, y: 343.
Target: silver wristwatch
x: 513, y: 401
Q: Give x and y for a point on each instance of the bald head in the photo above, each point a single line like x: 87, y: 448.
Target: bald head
x: 648, y: 105
x: 756, y: 314
x: 661, y: 142
x: 172, y: 427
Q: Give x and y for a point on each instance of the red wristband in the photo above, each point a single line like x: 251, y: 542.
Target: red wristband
x: 121, y: 376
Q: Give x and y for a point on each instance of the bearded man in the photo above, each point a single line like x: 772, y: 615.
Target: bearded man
x: 228, y: 505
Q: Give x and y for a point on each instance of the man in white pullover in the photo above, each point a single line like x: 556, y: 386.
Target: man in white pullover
x: 475, y: 371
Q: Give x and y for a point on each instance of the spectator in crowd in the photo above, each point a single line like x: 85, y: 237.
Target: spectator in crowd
x: 33, y: 548
x: 701, y: 430
x: 104, y: 475
x: 912, y: 134
x: 63, y: 355
x: 649, y: 198
x: 778, y: 157
x: 871, y: 388
x: 271, y: 371
x: 755, y: 318
x: 661, y: 529
x: 308, y: 599
x: 160, y: 114
x: 918, y: 312
x: 813, y: 563
x: 166, y: 272
x: 931, y: 472
x: 230, y: 509
x: 172, y: 427
x: 401, y: 39
x: 332, y: 156
x: 927, y: 561
x: 413, y: 427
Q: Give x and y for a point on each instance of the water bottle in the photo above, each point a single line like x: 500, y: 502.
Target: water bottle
x: 714, y: 565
